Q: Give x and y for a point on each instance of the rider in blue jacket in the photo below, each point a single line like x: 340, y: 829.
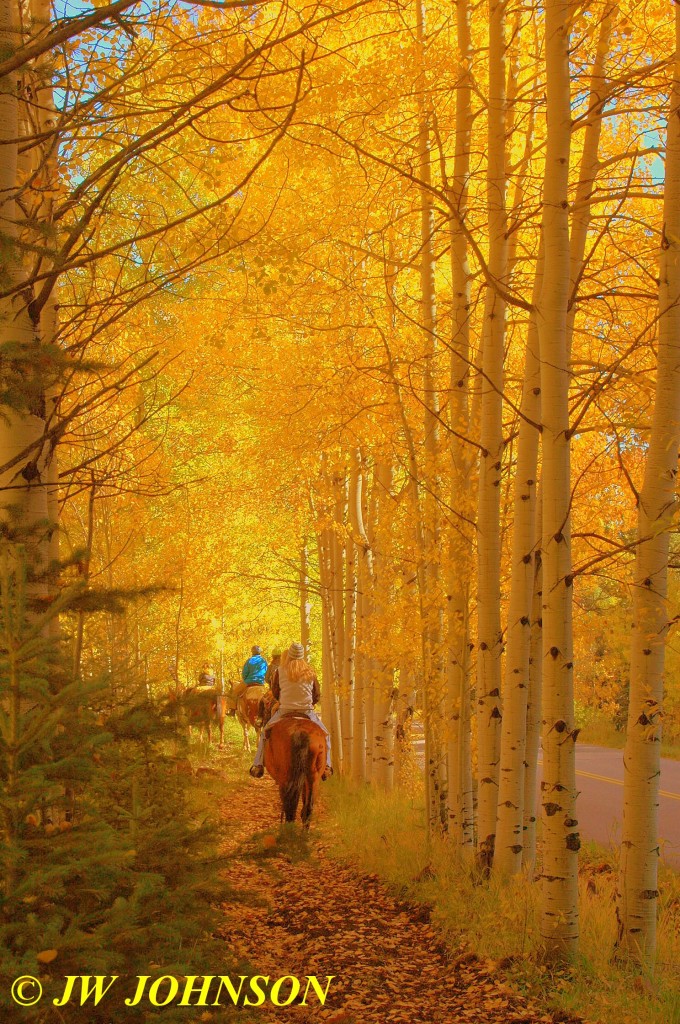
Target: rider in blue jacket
x: 255, y: 668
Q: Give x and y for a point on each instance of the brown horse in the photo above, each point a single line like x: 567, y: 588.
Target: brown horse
x: 248, y: 712
x: 295, y: 757
x: 203, y: 708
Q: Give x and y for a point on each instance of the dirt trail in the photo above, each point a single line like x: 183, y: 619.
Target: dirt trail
x: 321, y: 918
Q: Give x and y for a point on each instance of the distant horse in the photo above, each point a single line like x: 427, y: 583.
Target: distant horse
x: 249, y: 713
x: 203, y: 708
x: 295, y: 757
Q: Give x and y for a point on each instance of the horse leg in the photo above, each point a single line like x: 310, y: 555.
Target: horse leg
x: 219, y: 718
x: 308, y: 794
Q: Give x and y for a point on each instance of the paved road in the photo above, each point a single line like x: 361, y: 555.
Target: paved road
x: 599, y: 774
x: 599, y: 808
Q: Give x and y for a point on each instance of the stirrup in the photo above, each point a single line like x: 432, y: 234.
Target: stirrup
x: 257, y: 771
x: 327, y: 772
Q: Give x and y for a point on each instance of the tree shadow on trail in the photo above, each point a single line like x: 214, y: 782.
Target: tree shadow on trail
x: 289, y: 843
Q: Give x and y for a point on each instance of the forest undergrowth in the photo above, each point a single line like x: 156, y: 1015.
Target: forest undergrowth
x: 384, y: 833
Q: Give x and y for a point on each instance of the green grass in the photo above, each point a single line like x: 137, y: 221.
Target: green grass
x: 384, y: 834
x: 601, y: 732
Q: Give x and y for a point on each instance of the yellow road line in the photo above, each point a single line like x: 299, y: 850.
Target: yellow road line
x: 619, y: 782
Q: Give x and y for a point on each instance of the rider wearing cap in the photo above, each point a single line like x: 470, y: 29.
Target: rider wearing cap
x: 296, y: 687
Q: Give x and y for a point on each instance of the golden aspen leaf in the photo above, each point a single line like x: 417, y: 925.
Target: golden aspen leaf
x: 47, y: 956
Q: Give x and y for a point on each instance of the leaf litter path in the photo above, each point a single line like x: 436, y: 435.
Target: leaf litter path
x: 318, y: 917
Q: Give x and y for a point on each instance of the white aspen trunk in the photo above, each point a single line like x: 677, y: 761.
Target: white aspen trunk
x: 657, y: 511
x: 467, y: 792
x: 431, y: 766
x: 364, y: 583
x: 534, y: 710
x: 434, y: 682
x: 23, y: 485
x: 370, y: 728
x: 382, y: 669
x: 522, y: 702
x: 598, y: 95
x: 349, y: 675
x: 404, y: 713
x: 559, y: 920
x: 459, y: 768
x: 368, y: 530
x: 338, y: 619
x: 305, y: 604
x: 330, y: 705
x: 488, y: 516
x: 404, y: 719
x: 361, y: 688
x: 383, y: 751
x: 510, y: 823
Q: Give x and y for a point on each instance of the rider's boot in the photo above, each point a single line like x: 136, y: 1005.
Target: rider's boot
x: 257, y: 771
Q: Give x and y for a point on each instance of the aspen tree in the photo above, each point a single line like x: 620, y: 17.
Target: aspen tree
x: 534, y: 705
x: 514, y: 759
x: 404, y: 720
x: 350, y: 641
x: 368, y: 534
x: 363, y: 556
x: 383, y: 673
x: 457, y: 734
x: 423, y: 579
x: 305, y: 605
x: 657, y: 509
x: 434, y: 682
x: 589, y: 166
x: 491, y: 437
x: 23, y: 485
x: 338, y: 581
x: 330, y: 706
x: 513, y: 756
x: 559, y: 921
x: 45, y: 188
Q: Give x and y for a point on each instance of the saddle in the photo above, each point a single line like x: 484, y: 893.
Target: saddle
x: 267, y: 707
x: 253, y: 692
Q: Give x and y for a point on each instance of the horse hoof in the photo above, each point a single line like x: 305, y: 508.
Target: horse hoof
x: 257, y: 771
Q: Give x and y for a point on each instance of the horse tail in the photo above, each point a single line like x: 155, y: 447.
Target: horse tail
x: 299, y: 762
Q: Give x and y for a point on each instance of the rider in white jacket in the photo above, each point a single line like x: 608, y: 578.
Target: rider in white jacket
x: 296, y: 687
